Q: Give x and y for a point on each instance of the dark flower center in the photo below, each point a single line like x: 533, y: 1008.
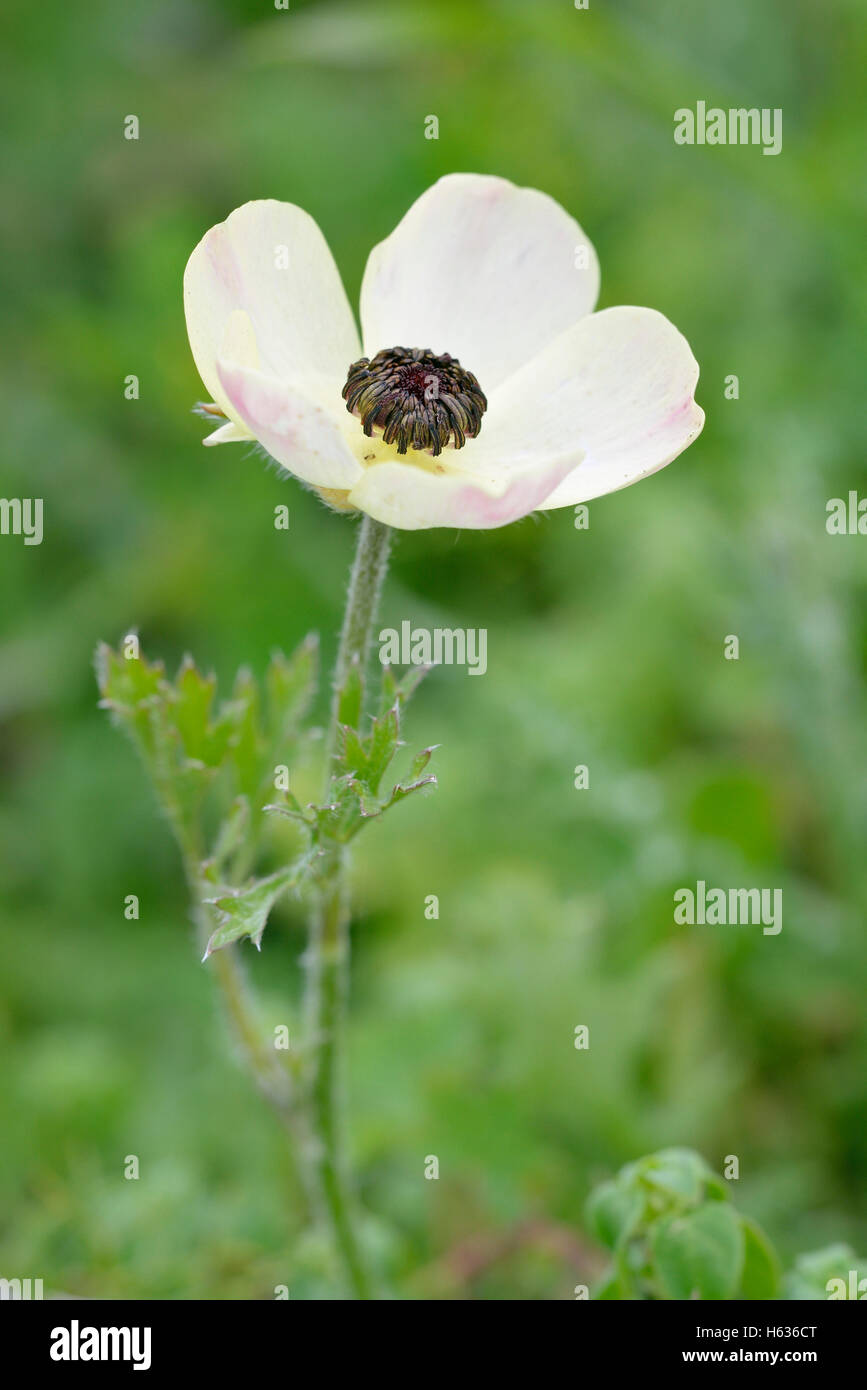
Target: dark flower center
x: 418, y: 400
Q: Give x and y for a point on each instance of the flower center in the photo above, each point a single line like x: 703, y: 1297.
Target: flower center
x: 418, y: 400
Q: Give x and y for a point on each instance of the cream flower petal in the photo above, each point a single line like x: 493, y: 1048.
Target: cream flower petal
x: 229, y: 433
x: 238, y: 344
x: 291, y: 422
x: 480, y: 269
x: 613, y: 394
x: 271, y: 261
x: 413, y: 498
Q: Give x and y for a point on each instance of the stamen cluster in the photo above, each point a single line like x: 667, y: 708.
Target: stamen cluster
x: 417, y: 399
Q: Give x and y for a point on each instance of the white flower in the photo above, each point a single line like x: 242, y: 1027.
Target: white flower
x: 498, y: 277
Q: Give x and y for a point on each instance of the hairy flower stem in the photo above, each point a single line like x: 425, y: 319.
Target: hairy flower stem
x: 362, y: 601
x: 272, y: 1080
x: 328, y: 951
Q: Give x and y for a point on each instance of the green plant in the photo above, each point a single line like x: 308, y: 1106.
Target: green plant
x: 674, y: 1233
x: 219, y: 773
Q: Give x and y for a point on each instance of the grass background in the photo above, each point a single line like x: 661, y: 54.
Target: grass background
x: 605, y: 648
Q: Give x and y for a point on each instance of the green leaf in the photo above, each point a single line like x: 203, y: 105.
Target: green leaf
x: 130, y: 689
x: 124, y: 683
x: 814, y: 1271
x: 398, y: 691
x: 613, y: 1212
x: 354, y: 801
x: 147, y: 706
x: 611, y: 1288
x: 246, y: 751
x: 760, y: 1277
x: 381, y: 747
x: 363, y: 761
x: 290, y: 684
x: 291, y: 808
x: 244, y: 911
x: 351, y: 752
x: 192, y: 698
x: 346, y: 812
x: 349, y: 698
x: 680, y: 1173
x: 416, y: 782
x: 189, y: 748
x: 701, y: 1253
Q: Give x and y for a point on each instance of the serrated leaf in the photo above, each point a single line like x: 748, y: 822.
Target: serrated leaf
x: 187, y: 746
x: 398, y: 691
x: 131, y: 690
x: 351, y: 754
x: 420, y: 762
x: 291, y: 808
x: 381, y: 747
x: 364, y: 760
x: 290, y: 684
x: 401, y: 791
x: 369, y: 805
x: 244, y: 911
x: 344, y: 815
x: 125, y: 682
x: 245, y: 742
x: 191, y: 699
x: 700, y: 1254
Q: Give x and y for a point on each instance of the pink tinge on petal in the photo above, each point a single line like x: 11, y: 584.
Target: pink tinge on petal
x: 676, y: 415
x: 616, y: 392
x: 413, y: 499
x: 482, y: 512
x: 224, y: 263
x: 269, y: 263
x: 596, y: 476
x: 297, y: 432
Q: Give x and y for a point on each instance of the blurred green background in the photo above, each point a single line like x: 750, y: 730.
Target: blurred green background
x: 605, y: 647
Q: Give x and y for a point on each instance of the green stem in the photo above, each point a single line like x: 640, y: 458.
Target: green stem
x: 328, y: 953
x: 273, y: 1081
x: 362, y: 601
